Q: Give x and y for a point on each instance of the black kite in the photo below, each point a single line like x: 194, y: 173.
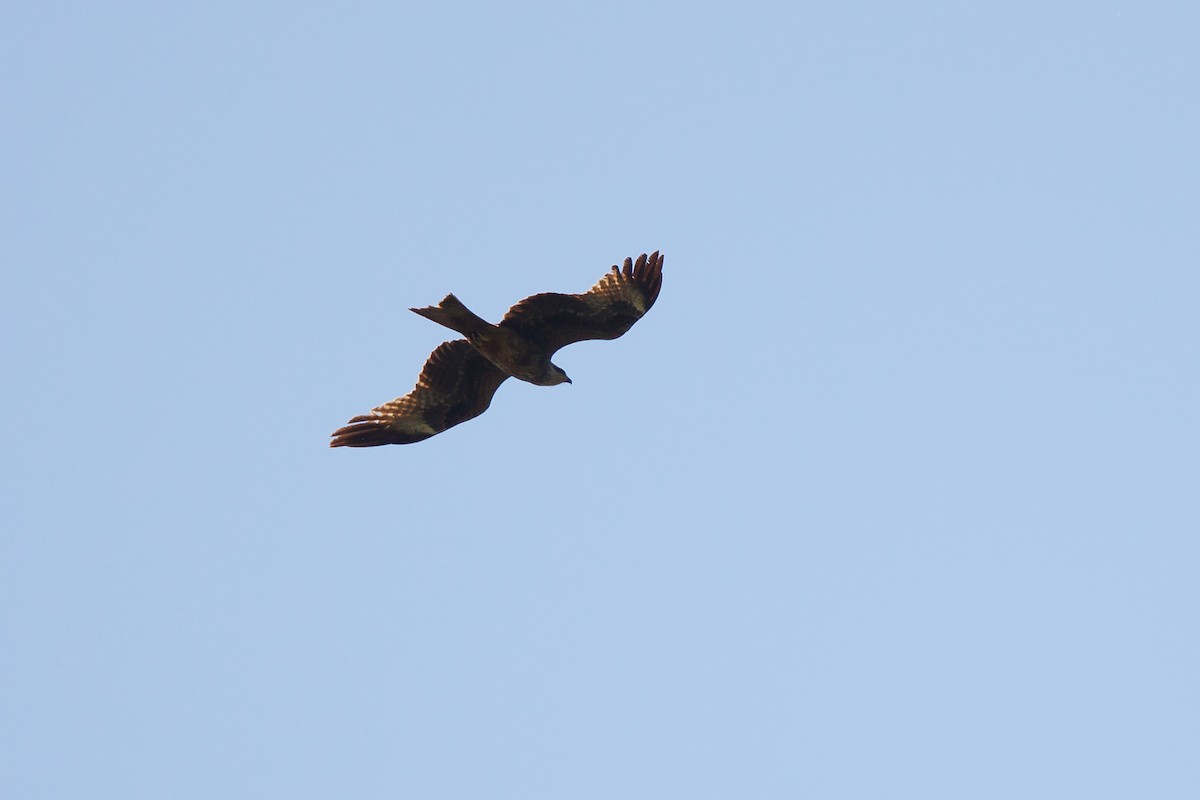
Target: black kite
x: 461, y: 376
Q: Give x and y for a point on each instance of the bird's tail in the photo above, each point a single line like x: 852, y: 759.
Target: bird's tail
x: 454, y: 315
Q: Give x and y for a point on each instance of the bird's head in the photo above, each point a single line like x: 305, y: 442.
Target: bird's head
x: 553, y: 375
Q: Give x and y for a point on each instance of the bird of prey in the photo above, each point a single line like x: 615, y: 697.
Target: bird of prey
x: 461, y: 376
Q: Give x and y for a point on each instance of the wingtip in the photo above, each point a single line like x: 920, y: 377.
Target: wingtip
x: 372, y: 431
x: 648, y: 274
x: 361, y: 431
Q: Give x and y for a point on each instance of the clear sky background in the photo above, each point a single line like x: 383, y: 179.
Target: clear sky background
x: 894, y: 493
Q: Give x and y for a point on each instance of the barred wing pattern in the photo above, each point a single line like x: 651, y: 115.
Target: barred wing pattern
x: 456, y: 384
x: 605, y: 311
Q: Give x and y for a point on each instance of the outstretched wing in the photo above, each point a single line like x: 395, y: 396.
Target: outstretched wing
x: 605, y: 311
x: 456, y: 384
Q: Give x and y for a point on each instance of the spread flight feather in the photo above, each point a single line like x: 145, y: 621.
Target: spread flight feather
x: 461, y: 376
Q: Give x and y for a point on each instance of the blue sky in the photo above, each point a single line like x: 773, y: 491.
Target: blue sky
x: 892, y: 494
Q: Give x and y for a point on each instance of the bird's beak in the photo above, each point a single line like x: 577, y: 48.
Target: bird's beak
x: 568, y: 380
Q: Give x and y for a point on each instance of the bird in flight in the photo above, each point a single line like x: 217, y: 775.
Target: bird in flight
x: 461, y: 376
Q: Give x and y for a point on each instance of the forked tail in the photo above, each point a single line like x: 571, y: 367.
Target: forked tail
x: 455, y: 316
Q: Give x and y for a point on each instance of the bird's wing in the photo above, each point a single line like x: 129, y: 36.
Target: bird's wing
x: 456, y: 384
x: 605, y: 311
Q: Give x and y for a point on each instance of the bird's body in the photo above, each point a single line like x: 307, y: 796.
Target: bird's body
x: 499, y: 344
x: 461, y: 376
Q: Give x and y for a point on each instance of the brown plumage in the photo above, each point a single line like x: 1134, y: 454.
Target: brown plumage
x: 461, y: 376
